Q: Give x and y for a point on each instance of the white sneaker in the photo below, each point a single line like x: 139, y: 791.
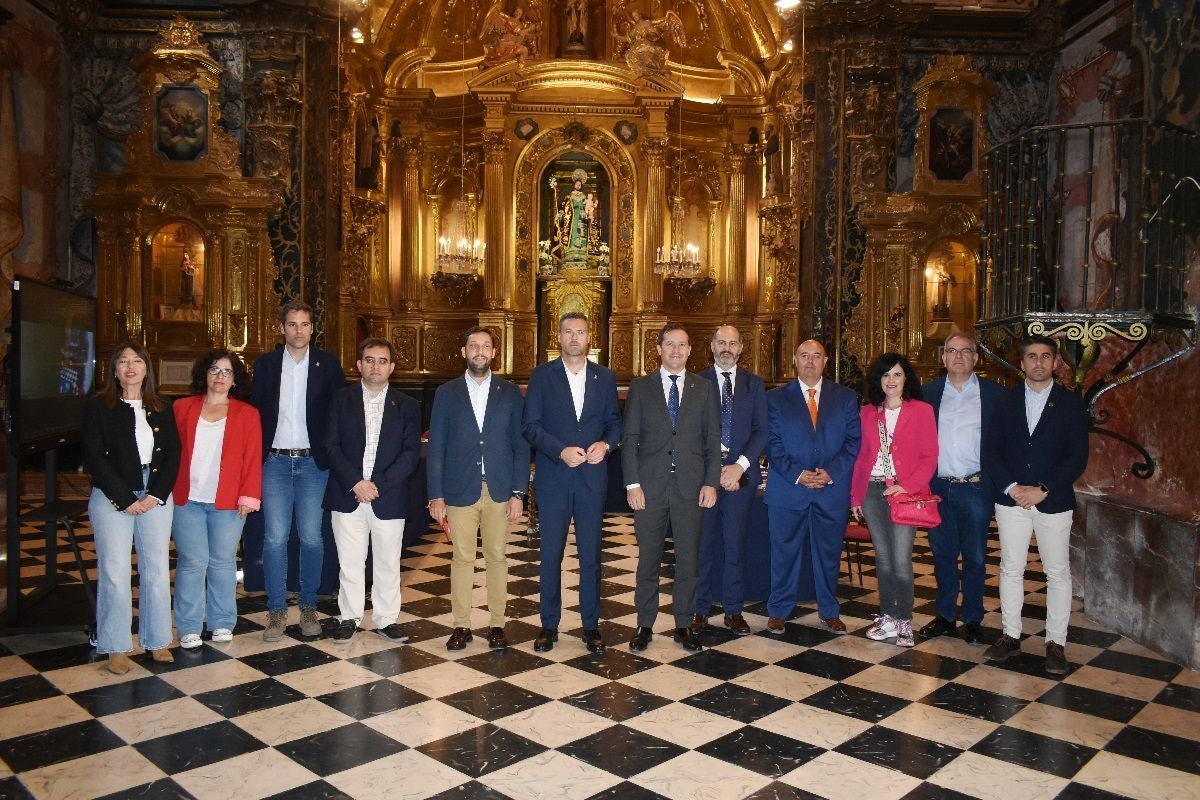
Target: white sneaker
x: 222, y: 636
x: 884, y: 628
x: 190, y: 641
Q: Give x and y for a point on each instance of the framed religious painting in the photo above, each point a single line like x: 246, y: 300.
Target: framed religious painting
x: 180, y: 123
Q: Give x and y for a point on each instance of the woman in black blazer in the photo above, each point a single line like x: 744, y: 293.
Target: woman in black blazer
x: 131, y: 448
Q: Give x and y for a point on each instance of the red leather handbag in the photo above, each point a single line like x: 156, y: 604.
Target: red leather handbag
x: 907, y: 508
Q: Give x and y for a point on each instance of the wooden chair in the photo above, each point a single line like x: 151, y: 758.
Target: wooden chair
x: 856, y: 533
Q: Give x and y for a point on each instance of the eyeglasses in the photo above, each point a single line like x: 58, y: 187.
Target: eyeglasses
x: 953, y: 351
x: 224, y: 372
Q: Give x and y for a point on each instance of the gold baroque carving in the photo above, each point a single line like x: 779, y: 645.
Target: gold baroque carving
x: 620, y: 167
x: 404, y: 339
x: 442, y: 351
x: 621, y: 357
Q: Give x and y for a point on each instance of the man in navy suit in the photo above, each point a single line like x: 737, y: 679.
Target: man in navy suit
x: 813, y: 437
x: 671, y: 460
x: 1035, y: 450
x: 572, y: 422
x: 292, y: 390
x: 373, y: 444
x: 963, y: 404
x: 478, y: 470
x: 742, y: 402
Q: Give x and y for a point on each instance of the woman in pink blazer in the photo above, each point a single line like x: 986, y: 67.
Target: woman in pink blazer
x: 896, y: 413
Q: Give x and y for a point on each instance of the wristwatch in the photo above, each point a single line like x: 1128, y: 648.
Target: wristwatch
x: 519, y: 495
x: 1042, y: 486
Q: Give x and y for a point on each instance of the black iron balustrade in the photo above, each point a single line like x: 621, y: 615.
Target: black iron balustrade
x: 1089, y: 231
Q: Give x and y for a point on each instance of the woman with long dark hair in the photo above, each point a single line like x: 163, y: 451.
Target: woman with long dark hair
x: 898, y: 455
x: 131, y: 449
x: 219, y: 483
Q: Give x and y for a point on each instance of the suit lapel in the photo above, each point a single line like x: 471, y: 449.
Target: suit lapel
x: 1047, y: 411
x: 590, y: 383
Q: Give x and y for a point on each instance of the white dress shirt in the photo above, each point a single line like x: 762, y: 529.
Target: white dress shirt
x: 666, y: 383
x: 1035, y: 404
x: 577, y: 381
x: 479, y: 397
x: 742, y: 461
x: 291, y: 430
x: 373, y: 410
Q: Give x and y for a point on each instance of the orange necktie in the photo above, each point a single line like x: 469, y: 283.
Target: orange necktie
x: 812, y: 406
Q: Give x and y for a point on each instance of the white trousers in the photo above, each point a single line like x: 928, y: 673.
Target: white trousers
x: 352, y: 532
x: 1017, y: 525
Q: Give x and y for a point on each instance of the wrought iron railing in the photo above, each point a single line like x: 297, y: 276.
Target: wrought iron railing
x: 1090, y: 230
x: 1090, y: 218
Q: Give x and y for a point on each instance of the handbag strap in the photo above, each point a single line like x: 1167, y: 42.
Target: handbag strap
x: 885, y: 447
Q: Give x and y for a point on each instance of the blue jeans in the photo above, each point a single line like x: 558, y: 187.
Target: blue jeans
x: 116, y: 533
x: 206, y: 541
x: 292, y: 486
x: 966, y: 511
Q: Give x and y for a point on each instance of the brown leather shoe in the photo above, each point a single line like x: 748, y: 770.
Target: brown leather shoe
x: 1056, y: 659
x: 458, y: 639
x: 737, y: 623
x: 835, y: 624
x: 699, y: 623
x: 775, y: 626
x: 497, y: 640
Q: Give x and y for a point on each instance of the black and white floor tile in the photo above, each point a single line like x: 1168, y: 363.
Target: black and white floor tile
x: 808, y: 714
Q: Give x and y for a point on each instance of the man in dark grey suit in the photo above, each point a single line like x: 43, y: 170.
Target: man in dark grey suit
x: 671, y: 457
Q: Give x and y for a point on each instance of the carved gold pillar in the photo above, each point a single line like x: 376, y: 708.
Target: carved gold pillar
x: 411, y: 152
x: 734, y: 283
x: 495, y: 154
x: 654, y: 151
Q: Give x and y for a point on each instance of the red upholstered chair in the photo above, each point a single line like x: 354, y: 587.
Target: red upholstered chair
x: 856, y: 533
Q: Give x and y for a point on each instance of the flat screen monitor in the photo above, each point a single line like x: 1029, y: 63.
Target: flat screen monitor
x: 51, y: 364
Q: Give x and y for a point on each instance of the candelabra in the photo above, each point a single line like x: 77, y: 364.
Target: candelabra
x: 463, y: 258
x: 676, y: 261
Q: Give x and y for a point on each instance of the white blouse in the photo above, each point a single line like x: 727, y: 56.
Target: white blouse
x: 890, y: 415
x: 206, y: 460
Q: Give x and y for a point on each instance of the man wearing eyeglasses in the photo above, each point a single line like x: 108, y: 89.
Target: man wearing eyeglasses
x: 373, y: 443
x: 963, y: 404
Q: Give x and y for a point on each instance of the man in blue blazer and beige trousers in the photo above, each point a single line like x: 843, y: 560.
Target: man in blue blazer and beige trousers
x: 478, y: 469
x: 572, y: 421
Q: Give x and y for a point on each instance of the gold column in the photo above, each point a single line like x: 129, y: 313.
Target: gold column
x: 734, y: 288
x: 495, y: 153
x: 411, y: 152
x: 655, y: 153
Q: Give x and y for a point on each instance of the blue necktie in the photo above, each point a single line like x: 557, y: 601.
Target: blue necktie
x: 726, y: 411
x: 673, y: 400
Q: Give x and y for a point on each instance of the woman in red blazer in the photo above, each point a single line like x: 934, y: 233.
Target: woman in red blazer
x: 219, y: 483
x: 896, y: 413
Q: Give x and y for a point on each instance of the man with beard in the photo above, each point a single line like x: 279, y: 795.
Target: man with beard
x: 572, y: 422
x: 742, y: 402
x: 478, y: 469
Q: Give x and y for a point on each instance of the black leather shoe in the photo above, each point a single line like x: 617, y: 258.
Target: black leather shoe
x: 1056, y: 659
x: 497, y: 640
x: 689, y: 640
x: 699, y: 623
x: 641, y: 639
x: 344, y: 632
x: 938, y: 626
x: 458, y: 639
x: 545, y: 640
x: 394, y: 633
x: 972, y: 633
x: 593, y: 641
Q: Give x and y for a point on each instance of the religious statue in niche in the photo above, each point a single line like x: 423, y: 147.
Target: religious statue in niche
x: 639, y: 40
x: 951, y: 144
x: 187, y: 279
x: 181, y: 122
x: 771, y: 157
x: 366, y: 157
x: 576, y: 43
x: 508, y: 36
x: 575, y: 233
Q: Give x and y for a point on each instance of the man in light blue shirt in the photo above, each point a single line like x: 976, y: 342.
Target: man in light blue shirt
x: 963, y: 404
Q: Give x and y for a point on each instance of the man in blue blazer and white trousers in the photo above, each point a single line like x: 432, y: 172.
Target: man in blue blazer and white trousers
x: 963, y: 404
x: 478, y: 469
x: 572, y: 422
x: 813, y: 438
x: 1035, y: 450
x: 373, y: 442
x: 742, y: 403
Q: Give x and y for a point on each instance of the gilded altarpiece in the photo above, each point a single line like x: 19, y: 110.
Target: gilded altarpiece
x: 183, y: 253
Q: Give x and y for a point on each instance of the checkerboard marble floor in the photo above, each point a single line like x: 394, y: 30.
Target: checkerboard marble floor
x: 805, y: 715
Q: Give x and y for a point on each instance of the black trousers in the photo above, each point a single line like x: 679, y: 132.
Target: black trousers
x: 667, y: 510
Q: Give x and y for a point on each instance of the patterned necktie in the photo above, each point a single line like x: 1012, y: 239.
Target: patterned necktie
x: 673, y: 400
x: 726, y: 411
x: 812, y: 406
